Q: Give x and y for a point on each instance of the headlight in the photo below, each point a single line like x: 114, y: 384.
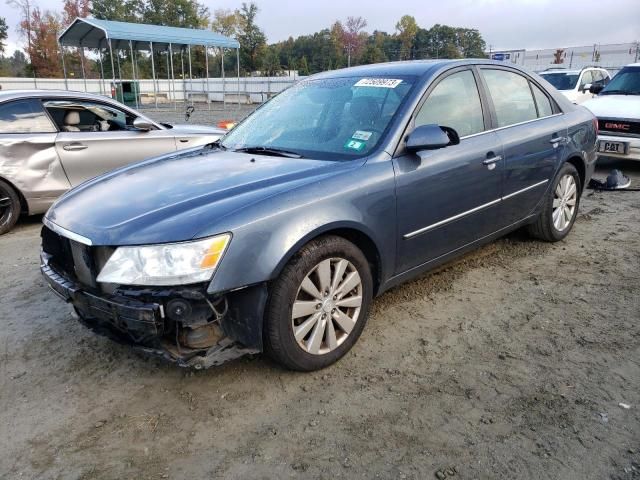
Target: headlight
x: 168, y: 264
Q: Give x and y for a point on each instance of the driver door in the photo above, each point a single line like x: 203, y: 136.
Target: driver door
x: 101, y: 138
x: 449, y: 198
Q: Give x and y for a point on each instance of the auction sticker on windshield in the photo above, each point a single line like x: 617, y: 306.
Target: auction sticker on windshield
x: 378, y: 82
x: 361, y: 135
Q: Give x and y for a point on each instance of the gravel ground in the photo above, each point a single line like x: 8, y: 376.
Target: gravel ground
x: 203, y: 114
x: 521, y: 360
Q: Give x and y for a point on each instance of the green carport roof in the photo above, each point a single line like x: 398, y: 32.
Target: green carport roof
x: 94, y: 33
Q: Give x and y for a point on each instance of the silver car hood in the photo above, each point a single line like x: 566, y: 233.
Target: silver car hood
x: 191, y: 128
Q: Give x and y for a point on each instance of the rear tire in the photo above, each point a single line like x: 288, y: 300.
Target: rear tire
x: 319, y: 304
x: 560, y: 207
x: 9, y: 207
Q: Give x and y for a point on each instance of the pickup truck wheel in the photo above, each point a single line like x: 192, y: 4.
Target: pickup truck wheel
x: 319, y: 304
x: 9, y: 207
x: 560, y: 207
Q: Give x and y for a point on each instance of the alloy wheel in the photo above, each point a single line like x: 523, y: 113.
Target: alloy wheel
x: 564, y: 202
x: 327, y: 306
x: 5, y: 203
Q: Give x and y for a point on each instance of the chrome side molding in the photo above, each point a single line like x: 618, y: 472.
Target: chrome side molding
x: 473, y: 210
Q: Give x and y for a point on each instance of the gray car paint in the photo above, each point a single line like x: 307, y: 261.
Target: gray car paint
x: 40, y: 169
x: 378, y: 199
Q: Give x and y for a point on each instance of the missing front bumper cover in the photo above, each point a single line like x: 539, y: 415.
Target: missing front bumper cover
x: 142, y: 325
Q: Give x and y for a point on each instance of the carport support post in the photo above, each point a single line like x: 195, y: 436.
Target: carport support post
x: 173, y: 78
x: 153, y: 75
x: 206, y: 66
x: 184, y: 84
x: 224, y: 83
x: 133, y: 72
x: 190, y: 73
x: 238, y: 61
x: 113, y: 70
x: 101, y: 69
x: 84, y: 76
x: 64, y: 68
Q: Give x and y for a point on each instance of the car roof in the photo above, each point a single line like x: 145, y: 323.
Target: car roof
x: 15, y: 94
x: 411, y: 67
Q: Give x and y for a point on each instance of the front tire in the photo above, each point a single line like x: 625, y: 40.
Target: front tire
x: 319, y: 305
x: 9, y: 207
x: 560, y: 207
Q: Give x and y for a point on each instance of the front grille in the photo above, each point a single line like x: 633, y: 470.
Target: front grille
x: 74, y: 260
x: 611, y: 125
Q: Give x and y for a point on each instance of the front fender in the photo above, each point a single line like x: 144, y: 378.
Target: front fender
x: 268, y: 234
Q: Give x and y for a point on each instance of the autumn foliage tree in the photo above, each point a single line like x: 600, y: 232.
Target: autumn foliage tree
x: 42, y: 45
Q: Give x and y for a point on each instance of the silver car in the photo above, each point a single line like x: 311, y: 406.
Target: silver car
x: 51, y: 141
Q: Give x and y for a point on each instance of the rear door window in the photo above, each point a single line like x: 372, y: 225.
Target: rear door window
x: 25, y: 116
x: 511, y: 96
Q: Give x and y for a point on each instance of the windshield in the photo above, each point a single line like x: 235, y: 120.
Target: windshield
x: 561, y: 80
x: 332, y: 119
x: 626, y: 82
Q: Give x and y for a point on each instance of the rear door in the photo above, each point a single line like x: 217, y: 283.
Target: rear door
x: 533, y: 133
x: 450, y: 197
x: 103, y: 139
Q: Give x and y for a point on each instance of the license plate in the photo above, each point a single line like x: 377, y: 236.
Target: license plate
x: 613, y: 147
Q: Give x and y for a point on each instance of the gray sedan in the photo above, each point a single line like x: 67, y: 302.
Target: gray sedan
x: 51, y: 141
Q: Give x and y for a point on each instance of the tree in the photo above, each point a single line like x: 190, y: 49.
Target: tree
x: 226, y: 22
x: 407, y: 29
x: 24, y: 6
x: 43, y: 43
x: 252, y: 39
x: 73, y: 9
x: 119, y: 10
x: 353, y: 36
x: 3, y: 35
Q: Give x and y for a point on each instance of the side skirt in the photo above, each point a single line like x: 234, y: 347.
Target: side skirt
x: 438, y: 261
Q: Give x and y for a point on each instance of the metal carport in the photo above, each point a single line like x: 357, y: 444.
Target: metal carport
x: 106, y: 34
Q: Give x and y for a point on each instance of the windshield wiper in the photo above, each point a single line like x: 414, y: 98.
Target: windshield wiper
x: 276, y: 152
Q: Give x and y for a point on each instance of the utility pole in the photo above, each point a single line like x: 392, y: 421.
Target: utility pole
x: 348, y: 47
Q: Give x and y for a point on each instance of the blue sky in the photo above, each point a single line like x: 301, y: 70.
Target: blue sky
x: 505, y: 24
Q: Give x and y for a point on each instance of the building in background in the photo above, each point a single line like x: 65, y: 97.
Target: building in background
x: 610, y: 56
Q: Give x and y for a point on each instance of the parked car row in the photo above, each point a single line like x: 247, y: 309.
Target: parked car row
x: 277, y: 237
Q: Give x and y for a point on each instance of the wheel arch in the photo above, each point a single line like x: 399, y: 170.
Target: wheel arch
x: 354, y: 233
x: 579, y: 163
x: 24, y: 205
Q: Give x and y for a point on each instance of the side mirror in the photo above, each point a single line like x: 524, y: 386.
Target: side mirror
x: 431, y: 137
x: 596, y: 88
x: 142, y: 124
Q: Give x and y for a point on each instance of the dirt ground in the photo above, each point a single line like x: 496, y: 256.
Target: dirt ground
x: 522, y: 360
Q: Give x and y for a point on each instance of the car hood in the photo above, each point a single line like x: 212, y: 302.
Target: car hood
x: 615, y: 106
x: 175, y: 197
x: 188, y: 128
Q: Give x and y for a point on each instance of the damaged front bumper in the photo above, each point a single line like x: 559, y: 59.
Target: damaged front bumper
x: 184, y: 325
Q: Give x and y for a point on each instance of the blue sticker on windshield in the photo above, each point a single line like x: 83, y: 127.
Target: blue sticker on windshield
x: 356, y: 145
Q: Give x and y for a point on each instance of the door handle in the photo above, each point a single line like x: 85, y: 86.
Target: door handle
x: 74, y: 146
x: 557, y: 139
x: 492, y: 160
x: 183, y: 140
